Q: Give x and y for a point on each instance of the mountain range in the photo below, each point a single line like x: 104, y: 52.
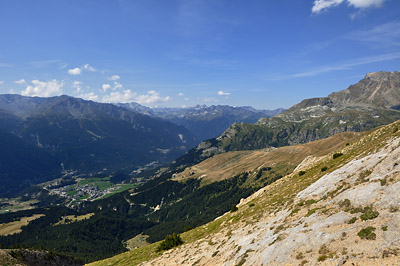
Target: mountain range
x: 66, y: 133
x: 372, y: 102
x: 203, y: 121
x: 43, y: 137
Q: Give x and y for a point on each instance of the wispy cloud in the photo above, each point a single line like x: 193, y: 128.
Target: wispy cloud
x: 77, y: 85
x: 387, y: 34
x: 343, y: 66
x: 44, y: 63
x: 209, y: 99
x: 5, y: 64
x: 1, y: 82
x: 322, y: 5
x: 21, y: 81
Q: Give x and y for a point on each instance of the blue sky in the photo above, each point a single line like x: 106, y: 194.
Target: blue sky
x: 266, y: 54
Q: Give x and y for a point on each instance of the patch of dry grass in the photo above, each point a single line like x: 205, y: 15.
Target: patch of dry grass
x: 15, y: 227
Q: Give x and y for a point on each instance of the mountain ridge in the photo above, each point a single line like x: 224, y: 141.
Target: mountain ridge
x: 314, y: 118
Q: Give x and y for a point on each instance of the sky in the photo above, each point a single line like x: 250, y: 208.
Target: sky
x: 175, y: 53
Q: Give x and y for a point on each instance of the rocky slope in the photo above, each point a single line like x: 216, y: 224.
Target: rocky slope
x: 342, y: 209
x: 26, y: 257
x: 370, y: 103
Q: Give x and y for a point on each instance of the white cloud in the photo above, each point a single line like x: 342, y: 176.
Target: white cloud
x: 115, y: 87
x: 180, y: 94
x: 365, y: 3
x: 321, y: 5
x: 75, y: 71
x: 129, y: 96
x: 151, y: 97
x: 221, y: 93
x: 120, y: 97
x: 106, y: 87
x: 77, y: 85
x: 91, y: 96
x: 43, y: 89
x: 21, y: 81
x: 1, y: 82
x: 78, y: 70
x: 114, y: 77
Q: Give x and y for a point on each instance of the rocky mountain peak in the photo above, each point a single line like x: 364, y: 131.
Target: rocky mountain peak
x: 381, y: 75
x: 379, y: 89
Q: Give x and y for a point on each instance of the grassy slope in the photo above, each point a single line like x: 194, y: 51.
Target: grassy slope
x: 227, y: 165
x: 277, y: 196
x: 15, y: 227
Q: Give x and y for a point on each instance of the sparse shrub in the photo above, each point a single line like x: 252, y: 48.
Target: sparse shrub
x: 279, y: 228
x: 345, y: 203
x: 384, y: 228
x: 322, y: 258
x: 169, y: 242
x: 252, y: 204
x: 294, y: 211
x: 304, y: 262
x: 323, y: 250
x: 383, y: 182
x: 347, y: 144
x: 187, y: 228
x: 323, y: 169
x: 302, y: 173
x: 367, y: 233
x: 234, y: 208
x: 337, y: 155
x: 352, y: 220
x: 393, y: 209
x: 353, y: 210
x: 369, y: 214
x: 311, y: 212
x: 364, y: 174
x: 299, y: 256
x: 310, y: 202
